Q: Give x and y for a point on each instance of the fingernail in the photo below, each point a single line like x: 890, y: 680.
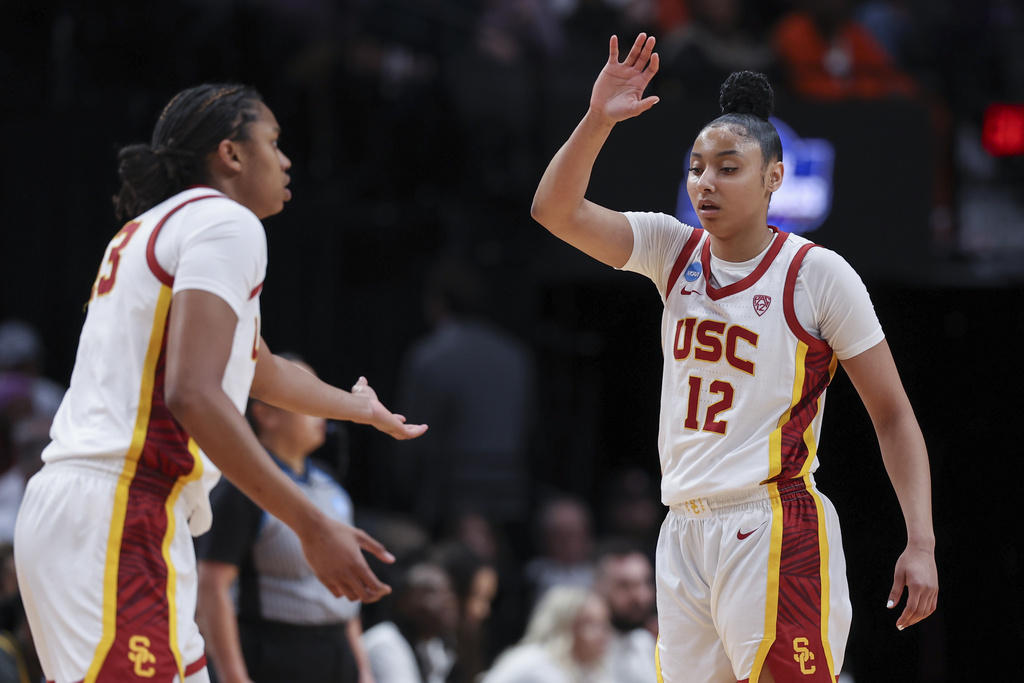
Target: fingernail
x: 899, y: 627
x: 889, y: 604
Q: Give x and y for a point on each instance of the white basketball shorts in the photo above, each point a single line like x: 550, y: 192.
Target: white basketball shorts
x: 749, y: 581
x: 107, y: 573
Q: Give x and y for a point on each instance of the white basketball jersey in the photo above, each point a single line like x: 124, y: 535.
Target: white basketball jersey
x: 743, y: 385
x: 114, y: 409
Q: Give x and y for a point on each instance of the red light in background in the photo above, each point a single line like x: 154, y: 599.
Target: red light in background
x: 1002, y: 133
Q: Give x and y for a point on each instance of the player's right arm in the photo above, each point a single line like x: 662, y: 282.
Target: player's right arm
x: 199, y: 338
x: 559, y: 203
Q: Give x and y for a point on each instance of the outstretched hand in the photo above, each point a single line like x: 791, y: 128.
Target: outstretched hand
x: 916, y: 570
x: 619, y: 89
x: 335, y: 553
x: 382, y: 418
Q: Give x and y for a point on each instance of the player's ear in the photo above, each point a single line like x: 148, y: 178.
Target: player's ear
x: 775, y: 172
x: 227, y: 155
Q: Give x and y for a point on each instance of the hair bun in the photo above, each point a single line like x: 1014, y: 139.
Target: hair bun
x: 747, y: 92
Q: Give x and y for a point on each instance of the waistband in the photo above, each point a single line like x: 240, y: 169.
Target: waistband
x: 96, y: 466
x: 701, y: 508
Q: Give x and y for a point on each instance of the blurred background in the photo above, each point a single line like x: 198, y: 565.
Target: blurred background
x: 418, y: 131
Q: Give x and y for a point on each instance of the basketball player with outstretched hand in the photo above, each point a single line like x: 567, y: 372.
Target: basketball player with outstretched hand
x: 169, y: 353
x: 750, y: 571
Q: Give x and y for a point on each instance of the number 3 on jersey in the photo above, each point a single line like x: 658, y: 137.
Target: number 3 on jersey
x: 105, y: 281
x: 711, y: 423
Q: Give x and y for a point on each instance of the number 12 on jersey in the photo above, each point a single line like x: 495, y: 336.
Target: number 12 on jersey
x: 711, y: 422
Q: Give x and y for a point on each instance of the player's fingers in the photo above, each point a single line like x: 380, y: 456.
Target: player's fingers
x: 360, y: 383
x: 652, y: 66
x: 646, y: 51
x: 896, y: 591
x: 634, y: 52
x: 412, y: 431
x: 374, y: 547
x: 613, y: 50
x: 909, y: 615
x: 646, y: 103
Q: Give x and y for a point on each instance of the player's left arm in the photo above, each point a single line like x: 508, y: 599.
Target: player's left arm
x: 282, y: 383
x: 874, y: 375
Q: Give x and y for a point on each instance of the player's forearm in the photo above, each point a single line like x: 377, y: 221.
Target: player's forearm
x: 283, y: 384
x: 560, y: 193
x: 906, y: 461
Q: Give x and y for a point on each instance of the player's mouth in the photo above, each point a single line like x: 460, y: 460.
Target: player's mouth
x: 707, y: 208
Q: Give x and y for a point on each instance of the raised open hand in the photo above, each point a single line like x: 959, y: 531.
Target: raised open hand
x: 619, y: 89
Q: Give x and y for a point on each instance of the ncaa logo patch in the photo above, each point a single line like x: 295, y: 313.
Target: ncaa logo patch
x: 761, y: 303
x: 692, y: 272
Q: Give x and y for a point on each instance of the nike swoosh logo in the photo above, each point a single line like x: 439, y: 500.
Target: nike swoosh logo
x: 686, y: 292
x: 740, y: 535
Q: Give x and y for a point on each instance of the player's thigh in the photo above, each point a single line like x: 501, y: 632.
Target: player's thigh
x: 783, y: 601
x: 61, y: 542
x: 689, y: 647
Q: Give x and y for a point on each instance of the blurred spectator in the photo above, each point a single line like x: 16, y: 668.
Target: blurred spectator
x: 27, y: 437
x: 625, y: 579
x: 285, y: 625
x: 826, y: 55
x: 566, y: 641
x: 720, y: 39
x: 473, y: 384
x: 18, y: 660
x: 415, y: 646
x: 24, y: 394
x: 565, y: 541
x: 508, y: 609
x: 476, y: 584
x: 22, y: 353
x: 633, y: 509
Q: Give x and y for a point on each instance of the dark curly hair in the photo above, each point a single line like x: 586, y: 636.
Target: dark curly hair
x: 747, y: 101
x: 191, y: 127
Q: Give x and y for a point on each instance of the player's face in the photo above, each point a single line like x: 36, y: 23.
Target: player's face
x: 728, y: 183
x: 263, y: 186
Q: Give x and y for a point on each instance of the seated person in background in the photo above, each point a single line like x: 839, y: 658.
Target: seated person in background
x: 565, y: 541
x: 287, y: 626
x: 414, y: 646
x: 475, y: 581
x: 624, y: 577
x: 566, y: 641
x: 826, y: 55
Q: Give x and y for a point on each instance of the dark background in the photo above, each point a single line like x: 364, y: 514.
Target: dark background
x: 407, y: 144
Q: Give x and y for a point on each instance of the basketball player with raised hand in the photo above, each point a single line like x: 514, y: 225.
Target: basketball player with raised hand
x: 169, y: 353
x: 751, y: 577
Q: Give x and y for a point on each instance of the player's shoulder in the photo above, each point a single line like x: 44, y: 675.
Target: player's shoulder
x: 655, y: 220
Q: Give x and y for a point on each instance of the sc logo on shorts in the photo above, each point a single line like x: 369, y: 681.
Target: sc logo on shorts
x: 803, y: 656
x: 141, y: 656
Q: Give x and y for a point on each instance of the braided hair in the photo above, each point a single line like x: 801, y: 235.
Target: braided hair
x: 189, y: 129
x: 747, y: 100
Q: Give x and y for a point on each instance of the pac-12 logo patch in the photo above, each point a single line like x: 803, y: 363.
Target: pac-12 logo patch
x: 761, y: 303
x: 692, y: 272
